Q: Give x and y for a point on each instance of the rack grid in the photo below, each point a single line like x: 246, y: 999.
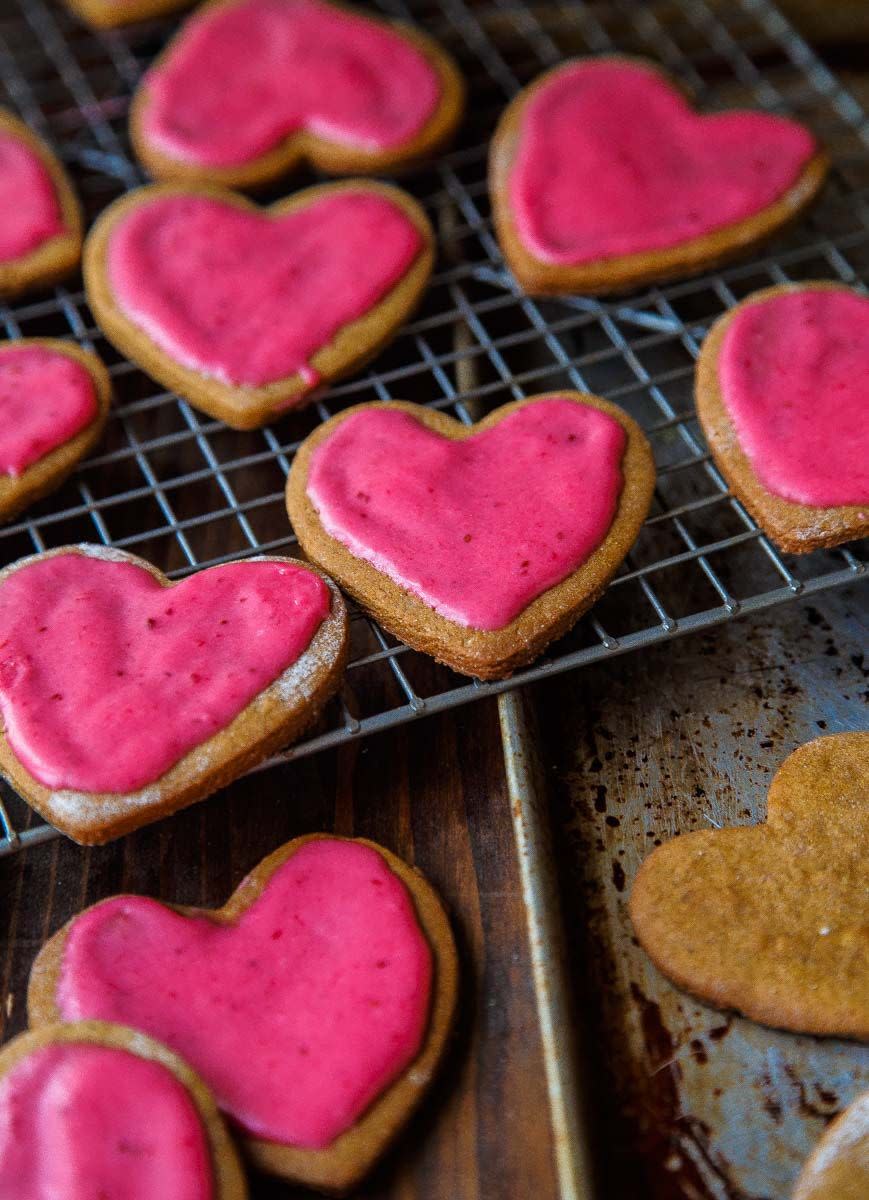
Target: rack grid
x: 186, y: 492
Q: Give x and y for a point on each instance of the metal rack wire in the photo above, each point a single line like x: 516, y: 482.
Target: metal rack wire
x: 186, y: 492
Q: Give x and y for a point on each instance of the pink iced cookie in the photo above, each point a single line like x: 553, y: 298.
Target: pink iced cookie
x: 92, y: 1110
x: 46, y: 398
x: 473, y: 528
x: 783, y: 400
x: 245, y: 311
x: 303, y: 1003
x: 603, y: 176
x: 40, y: 222
x: 298, y: 79
x: 123, y: 697
x: 54, y: 402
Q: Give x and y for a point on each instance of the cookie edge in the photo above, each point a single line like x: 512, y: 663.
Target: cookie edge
x: 59, y: 256
x: 215, y: 762
x: 228, y: 1177
x: 340, y: 1166
x: 792, y: 1016
x: 627, y: 273
x: 299, y: 149
x: 49, y: 472
x: 795, y: 528
x: 245, y: 407
x: 485, y: 654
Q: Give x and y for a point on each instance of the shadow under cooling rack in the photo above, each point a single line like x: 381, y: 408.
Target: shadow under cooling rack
x: 185, y: 492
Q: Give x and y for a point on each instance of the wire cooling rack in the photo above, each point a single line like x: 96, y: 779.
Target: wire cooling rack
x: 186, y: 492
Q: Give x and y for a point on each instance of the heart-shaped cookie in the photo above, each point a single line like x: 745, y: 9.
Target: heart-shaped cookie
x: 299, y: 80
x: 95, y: 1110
x: 478, y: 545
x: 316, y: 1003
x: 772, y: 920
x: 54, y: 403
x: 125, y: 697
x: 40, y: 220
x: 112, y: 14
x: 782, y: 398
x: 838, y: 1168
x: 245, y: 311
x: 604, y: 178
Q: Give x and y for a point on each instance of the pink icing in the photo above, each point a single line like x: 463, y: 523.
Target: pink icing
x: 46, y: 398
x: 249, y: 298
x: 285, y: 66
x: 82, y: 1121
x: 29, y: 209
x: 612, y: 161
x: 793, y: 371
x: 478, y: 528
x: 107, y: 679
x: 297, y: 1016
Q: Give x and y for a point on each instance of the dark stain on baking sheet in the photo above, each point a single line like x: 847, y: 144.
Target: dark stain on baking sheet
x: 692, y: 1103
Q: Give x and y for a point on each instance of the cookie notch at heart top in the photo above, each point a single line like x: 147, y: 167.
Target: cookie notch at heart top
x: 624, y: 272
x: 341, y: 1164
x: 287, y: 152
x: 770, y: 920
x: 274, y: 717
x: 59, y: 255
x: 491, y: 653
x: 249, y: 406
x: 796, y: 528
x: 227, y: 1178
x: 48, y: 472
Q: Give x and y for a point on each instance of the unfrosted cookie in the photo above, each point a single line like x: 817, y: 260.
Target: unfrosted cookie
x: 316, y: 1003
x: 783, y: 399
x: 478, y: 545
x: 40, y: 219
x: 94, y: 1111
x: 110, y: 14
x: 604, y: 178
x: 54, y: 403
x: 246, y: 311
x: 771, y: 920
x: 299, y: 81
x: 838, y: 1168
x: 125, y: 697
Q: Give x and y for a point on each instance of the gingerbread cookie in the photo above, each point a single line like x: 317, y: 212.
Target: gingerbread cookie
x: 838, y: 1168
x: 246, y: 311
x: 316, y: 1003
x: 771, y: 920
x: 40, y: 219
x: 54, y: 403
x: 782, y: 399
x: 603, y: 178
x: 125, y: 697
x: 299, y: 81
x: 112, y: 14
x: 95, y: 1110
x: 478, y: 545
